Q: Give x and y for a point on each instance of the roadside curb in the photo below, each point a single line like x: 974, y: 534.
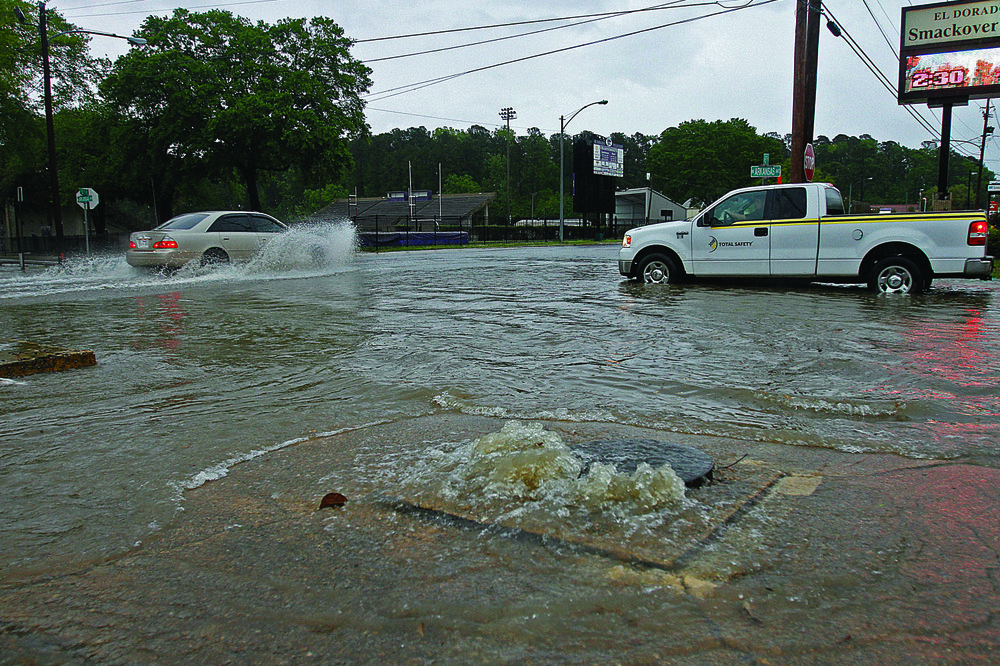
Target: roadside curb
x: 19, y: 358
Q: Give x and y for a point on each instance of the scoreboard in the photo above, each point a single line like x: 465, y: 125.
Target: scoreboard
x: 609, y: 159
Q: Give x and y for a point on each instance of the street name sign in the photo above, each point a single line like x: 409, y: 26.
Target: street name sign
x: 87, y: 198
x: 766, y: 171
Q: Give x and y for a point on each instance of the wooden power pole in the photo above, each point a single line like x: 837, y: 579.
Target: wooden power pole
x: 807, y: 19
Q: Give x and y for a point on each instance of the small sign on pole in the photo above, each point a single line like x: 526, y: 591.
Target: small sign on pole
x: 809, y: 162
x: 87, y: 199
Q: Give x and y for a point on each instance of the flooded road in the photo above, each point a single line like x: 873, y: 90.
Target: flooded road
x: 201, y: 372
x: 198, y: 372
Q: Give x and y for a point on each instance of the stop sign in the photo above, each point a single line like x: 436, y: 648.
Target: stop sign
x: 809, y: 162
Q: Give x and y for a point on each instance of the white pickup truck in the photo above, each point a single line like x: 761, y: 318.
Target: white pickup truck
x: 800, y: 231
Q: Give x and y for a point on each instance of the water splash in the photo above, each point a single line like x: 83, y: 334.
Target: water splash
x: 307, y: 249
x: 525, y: 470
x: 308, y: 246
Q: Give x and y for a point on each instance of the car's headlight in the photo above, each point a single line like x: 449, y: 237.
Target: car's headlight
x: 627, y: 240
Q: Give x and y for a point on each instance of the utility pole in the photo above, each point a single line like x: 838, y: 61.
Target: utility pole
x: 55, y: 210
x: 987, y: 130
x: 807, y: 15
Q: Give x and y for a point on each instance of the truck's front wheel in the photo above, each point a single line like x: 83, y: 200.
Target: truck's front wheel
x: 896, y: 275
x: 658, y: 269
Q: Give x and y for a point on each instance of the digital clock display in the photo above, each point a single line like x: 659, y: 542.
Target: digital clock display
x: 939, y: 78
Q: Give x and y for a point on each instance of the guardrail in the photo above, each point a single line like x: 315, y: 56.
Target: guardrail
x: 22, y: 261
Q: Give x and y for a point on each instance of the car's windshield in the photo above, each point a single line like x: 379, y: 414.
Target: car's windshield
x: 183, y: 221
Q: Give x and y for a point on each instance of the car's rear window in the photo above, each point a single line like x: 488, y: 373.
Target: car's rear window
x: 183, y: 221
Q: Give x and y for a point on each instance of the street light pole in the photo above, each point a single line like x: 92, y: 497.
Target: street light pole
x: 562, y: 178
x: 850, y: 193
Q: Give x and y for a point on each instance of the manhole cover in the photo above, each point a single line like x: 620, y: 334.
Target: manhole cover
x: 692, y: 465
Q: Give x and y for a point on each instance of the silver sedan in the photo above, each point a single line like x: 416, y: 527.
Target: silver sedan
x: 214, y: 237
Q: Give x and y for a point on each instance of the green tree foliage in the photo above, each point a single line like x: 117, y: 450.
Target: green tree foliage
x: 873, y: 172
x: 704, y: 160
x: 213, y: 94
x: 460, y: 184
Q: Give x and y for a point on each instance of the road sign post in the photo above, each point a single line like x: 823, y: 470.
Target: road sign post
x: 86, y: 198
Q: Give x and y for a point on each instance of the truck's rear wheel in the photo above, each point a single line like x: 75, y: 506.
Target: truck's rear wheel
x: 896, y: 275
x: 658, y: 269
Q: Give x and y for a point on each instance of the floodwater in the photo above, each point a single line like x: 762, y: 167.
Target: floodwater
x: 201, y: 371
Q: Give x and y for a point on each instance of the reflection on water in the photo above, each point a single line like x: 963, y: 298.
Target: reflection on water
x: 201, y: 369
x: 166, y: 313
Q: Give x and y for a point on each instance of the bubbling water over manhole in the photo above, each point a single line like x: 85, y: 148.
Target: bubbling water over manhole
x: 692, y: 465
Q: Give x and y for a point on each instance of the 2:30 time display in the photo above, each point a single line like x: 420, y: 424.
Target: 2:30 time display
x: 942, y: 78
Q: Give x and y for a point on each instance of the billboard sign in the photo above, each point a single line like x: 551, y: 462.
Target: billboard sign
x: 949, y: 51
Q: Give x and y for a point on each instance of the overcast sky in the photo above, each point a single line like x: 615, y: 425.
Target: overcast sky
x: 690, y: 59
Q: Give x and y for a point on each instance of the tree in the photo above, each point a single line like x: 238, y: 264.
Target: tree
x: 215, y: 93
x: 464, y: 184
x: 703, y: 160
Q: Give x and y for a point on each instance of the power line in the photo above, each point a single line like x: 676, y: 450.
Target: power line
x: 599, y: 17
x: 392, y: 92
x: 155, y: 11
x: 510, y: 24
x: 879, y: 26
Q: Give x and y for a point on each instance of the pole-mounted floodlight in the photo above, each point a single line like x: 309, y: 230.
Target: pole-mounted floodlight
x: 562, y: 183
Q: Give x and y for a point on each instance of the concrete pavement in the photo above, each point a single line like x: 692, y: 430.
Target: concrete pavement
x: 838, y: 559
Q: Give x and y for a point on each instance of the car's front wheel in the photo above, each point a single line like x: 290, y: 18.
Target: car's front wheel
x: 658, y: 269
x: 214, y: 257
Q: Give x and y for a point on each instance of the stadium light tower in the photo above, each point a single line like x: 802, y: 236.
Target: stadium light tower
x: 508, y: 113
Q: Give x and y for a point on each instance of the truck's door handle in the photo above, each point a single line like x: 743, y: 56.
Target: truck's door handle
x: 760, y: 231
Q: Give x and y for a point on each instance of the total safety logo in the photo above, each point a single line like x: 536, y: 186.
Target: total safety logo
x: 714, y: 244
